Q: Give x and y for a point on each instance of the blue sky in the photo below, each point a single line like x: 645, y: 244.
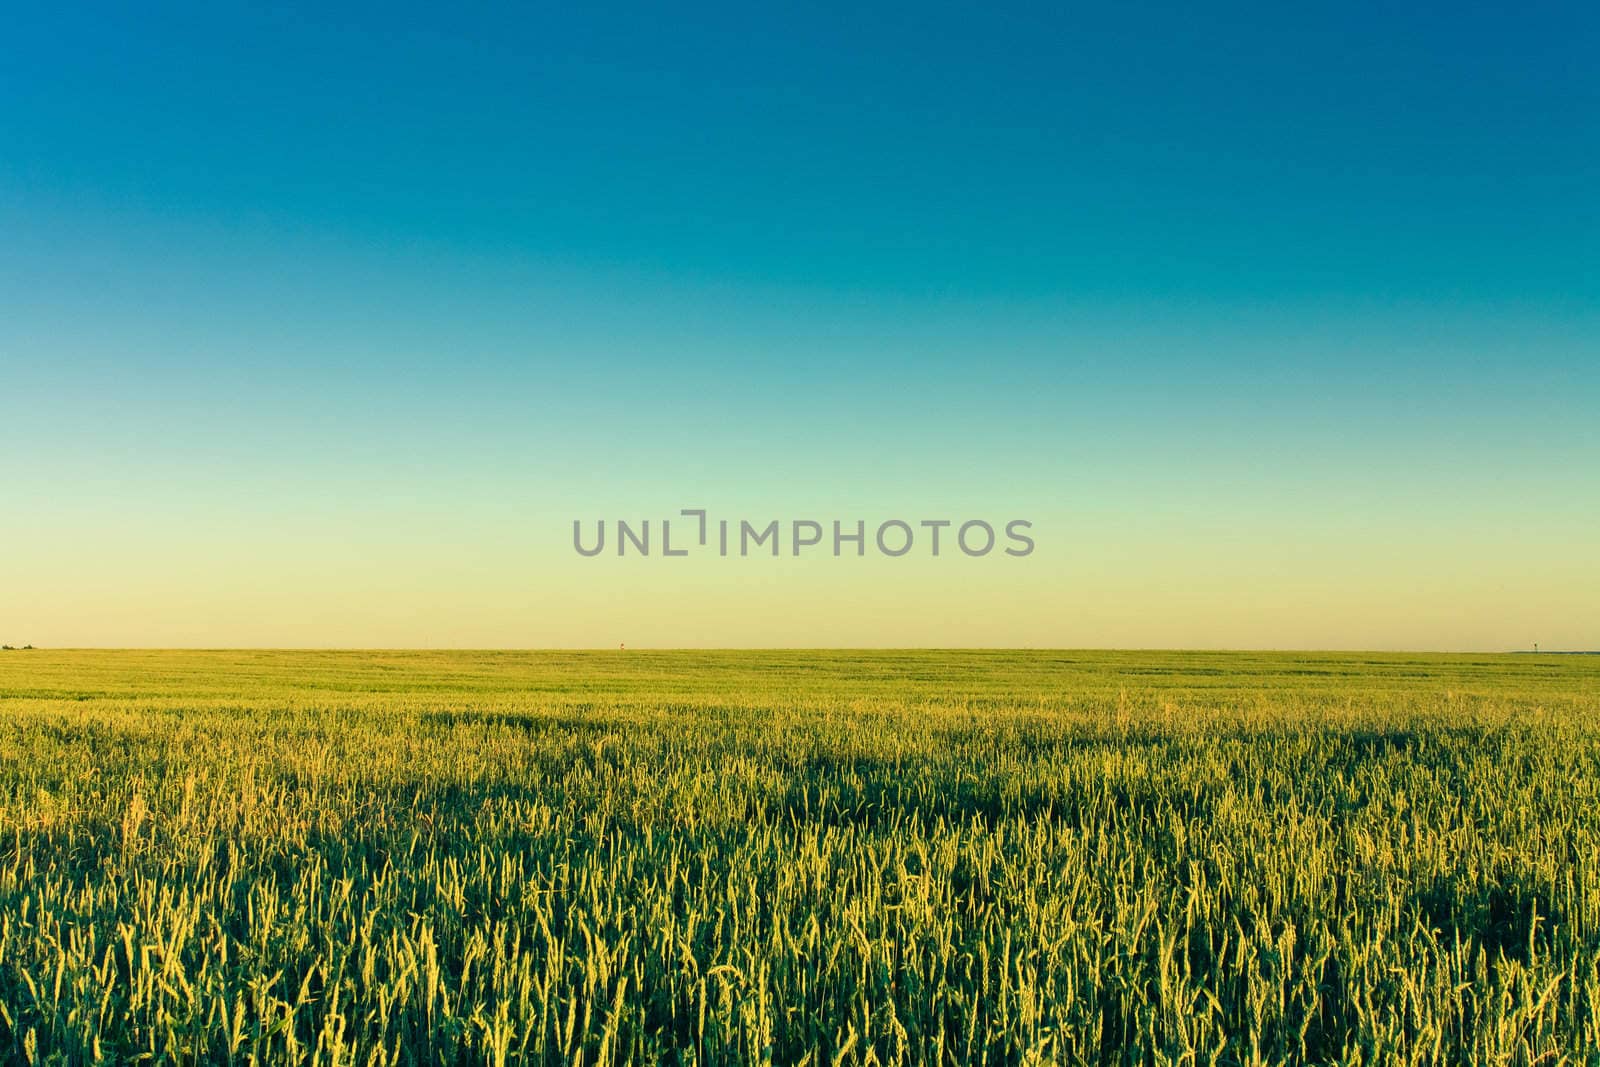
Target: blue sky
x: 439, y: 279
x: 1249, y: 151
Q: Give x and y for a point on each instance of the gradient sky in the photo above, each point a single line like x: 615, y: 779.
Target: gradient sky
x: 1280, y: 322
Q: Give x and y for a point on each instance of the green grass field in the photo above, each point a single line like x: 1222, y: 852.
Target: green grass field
x: 798, y: 857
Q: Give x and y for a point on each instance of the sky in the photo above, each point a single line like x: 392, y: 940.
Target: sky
x: 1279, y: 323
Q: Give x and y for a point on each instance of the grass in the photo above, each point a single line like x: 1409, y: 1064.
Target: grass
x: 798, y: 857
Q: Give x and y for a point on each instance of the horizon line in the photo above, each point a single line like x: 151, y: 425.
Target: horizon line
x: 807, y: 648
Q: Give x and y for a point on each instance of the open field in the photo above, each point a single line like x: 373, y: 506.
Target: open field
x: 799, y: 857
